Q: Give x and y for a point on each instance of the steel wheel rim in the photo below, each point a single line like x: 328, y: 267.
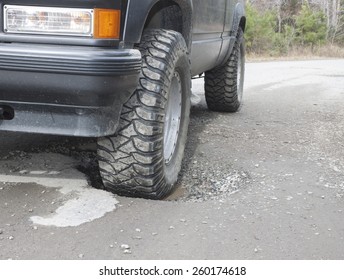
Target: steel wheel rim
x: 172, y: 118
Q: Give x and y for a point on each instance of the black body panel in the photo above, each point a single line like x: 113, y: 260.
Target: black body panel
x: 208, y: 21
x: 77, y: 86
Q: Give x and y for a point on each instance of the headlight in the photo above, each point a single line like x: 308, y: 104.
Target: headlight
x: 97, y: 23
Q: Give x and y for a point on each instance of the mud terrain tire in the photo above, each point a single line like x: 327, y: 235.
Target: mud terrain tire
x: 144, y: 157
x: 224, y: 84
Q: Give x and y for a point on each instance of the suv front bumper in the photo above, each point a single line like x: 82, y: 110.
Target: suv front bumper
x: 65, y: 90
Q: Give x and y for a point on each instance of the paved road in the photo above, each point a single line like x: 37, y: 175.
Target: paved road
x: 265, y: 183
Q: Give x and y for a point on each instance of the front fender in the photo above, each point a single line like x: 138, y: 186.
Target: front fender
x: 239, y: 14
x: 138, y: 11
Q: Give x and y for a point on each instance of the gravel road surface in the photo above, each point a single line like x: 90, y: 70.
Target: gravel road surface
x: 264, y: 183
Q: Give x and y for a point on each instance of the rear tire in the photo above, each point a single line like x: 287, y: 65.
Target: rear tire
x: 144, y: 158
x: 224, y: 84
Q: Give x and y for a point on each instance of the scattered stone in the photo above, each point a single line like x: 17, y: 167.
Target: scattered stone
x: 137, y: 237
x: 171, y: 227
x: 125, y: 246
x: 35, y: 227
x: 335, y: 168
x: 1, y: 231
x: 11, y: 237
x: 81, y: 256
x: 209, y: 183
x: 137, y: 230
x: 126, y: 251
x: 30, y: 210
x: 204, y: 222
x: 183, y: 220
x: 154, y: 233
x: 111, y: 246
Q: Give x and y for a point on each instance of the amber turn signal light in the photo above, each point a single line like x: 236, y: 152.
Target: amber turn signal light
x: 107, y: 24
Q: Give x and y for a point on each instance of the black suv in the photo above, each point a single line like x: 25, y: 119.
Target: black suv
x: 120, y: 70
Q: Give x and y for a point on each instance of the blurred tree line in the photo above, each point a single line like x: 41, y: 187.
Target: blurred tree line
x: 276, y: 27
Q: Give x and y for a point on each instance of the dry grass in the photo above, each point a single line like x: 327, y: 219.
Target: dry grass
x: 298, y: 53
x: 330, y: 51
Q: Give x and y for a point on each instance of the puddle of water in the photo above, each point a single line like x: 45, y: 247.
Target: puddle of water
x: 179, y: 193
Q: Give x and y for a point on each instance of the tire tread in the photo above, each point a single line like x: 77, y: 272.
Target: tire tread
x: 221, y: 83
x: 131, y: 161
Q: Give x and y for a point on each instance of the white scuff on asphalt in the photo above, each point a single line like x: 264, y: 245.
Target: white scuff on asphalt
x: 91, y: 204
x: 86, y: 204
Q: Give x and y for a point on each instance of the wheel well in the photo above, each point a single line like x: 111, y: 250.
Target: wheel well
x: 242, y: 23
x: 167, y: 14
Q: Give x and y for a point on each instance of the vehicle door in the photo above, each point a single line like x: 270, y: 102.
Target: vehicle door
x: 208, y: 26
